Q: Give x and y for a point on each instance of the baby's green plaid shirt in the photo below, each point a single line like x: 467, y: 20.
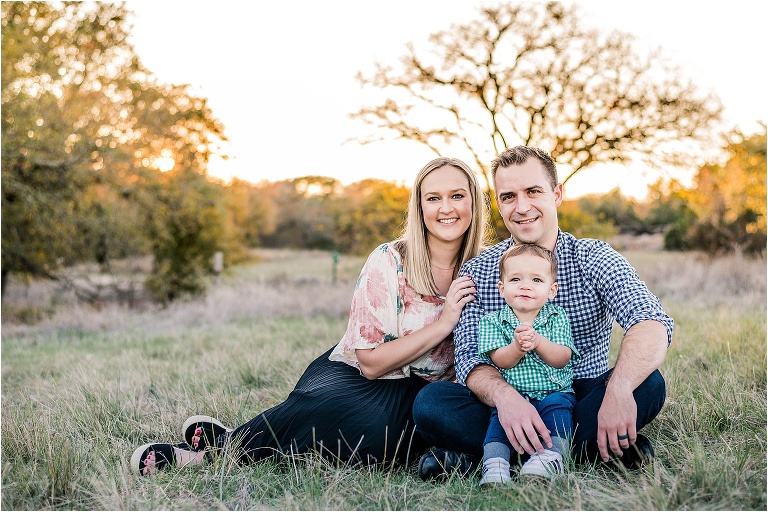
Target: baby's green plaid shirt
x: 531, y: 377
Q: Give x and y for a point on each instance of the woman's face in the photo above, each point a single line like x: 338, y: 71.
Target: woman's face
x: 446, y: 204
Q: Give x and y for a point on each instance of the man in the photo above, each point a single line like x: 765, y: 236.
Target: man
x: 597, y: 286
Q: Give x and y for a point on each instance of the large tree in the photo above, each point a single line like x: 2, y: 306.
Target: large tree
x: 84, y: 129
x: 531, y: 73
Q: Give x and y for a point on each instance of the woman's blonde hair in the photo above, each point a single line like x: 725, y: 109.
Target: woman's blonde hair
x: 412, y: 244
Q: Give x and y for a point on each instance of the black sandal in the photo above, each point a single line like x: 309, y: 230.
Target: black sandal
x: 165, y: 456
x: 210, y: 428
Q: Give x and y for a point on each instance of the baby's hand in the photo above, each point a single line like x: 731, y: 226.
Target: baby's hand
x: 524, y: 336
x: 527, y: 346
x: 525, y: 332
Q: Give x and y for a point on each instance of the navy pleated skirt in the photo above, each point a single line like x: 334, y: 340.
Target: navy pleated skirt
x: 338, y: 413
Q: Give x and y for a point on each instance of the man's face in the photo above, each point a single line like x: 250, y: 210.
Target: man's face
x: 528, y: 204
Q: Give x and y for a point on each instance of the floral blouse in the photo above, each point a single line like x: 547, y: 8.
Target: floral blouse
x: 384, y: 308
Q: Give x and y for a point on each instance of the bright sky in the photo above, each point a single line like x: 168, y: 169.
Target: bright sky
x: 280, y: 75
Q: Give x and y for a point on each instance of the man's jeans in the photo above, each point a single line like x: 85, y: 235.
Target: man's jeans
x: 447, y: 414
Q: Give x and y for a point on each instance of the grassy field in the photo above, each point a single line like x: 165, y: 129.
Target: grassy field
x: 81, y: 388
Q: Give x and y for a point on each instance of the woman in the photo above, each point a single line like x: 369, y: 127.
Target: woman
x: 355, y: 400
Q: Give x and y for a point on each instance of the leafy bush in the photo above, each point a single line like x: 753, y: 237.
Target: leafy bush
x: 187, y: 228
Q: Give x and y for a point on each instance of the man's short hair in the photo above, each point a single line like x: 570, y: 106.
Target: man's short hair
x: 518, y: 156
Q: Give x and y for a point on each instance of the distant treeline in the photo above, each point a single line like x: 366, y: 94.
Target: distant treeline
x: 182, y: 218
x: 723, y: 212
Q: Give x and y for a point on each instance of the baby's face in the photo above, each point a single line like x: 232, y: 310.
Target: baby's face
x: 527, y: 282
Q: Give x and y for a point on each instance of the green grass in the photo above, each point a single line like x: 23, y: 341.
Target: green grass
x: 82, y: 388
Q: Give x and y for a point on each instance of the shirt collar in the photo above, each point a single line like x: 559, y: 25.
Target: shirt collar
x: 558, y: 243
x: 548, y: 310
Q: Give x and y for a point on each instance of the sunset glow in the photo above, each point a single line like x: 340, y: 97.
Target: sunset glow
x: 165, y: 162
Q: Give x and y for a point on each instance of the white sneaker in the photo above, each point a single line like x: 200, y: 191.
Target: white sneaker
x: 495, y: 471
x: 546, y: 465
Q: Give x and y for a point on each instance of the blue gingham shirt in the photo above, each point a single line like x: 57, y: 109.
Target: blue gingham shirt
x: 596, y: 285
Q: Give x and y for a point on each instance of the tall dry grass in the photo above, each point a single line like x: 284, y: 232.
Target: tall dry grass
x: 81, y: 388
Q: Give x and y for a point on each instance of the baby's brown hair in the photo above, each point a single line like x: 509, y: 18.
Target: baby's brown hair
x: 536, y: 250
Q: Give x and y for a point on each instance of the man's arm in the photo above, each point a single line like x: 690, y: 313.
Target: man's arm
x: 642, y: 351
x: 517, y: 416
x: 647, y: 334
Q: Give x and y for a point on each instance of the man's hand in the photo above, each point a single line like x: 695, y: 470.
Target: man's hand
x: 616, y: 421
x: 517, y: 416
x: 641, y: 352
x: 521, y: 422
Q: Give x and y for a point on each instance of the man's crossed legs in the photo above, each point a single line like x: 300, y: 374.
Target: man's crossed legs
x: 450, y: 418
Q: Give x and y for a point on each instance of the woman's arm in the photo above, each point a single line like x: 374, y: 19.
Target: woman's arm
x: 394, y: 354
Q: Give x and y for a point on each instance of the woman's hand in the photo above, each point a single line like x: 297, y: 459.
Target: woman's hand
x: 398, y: 352
x: 461, y: 291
